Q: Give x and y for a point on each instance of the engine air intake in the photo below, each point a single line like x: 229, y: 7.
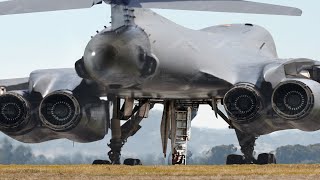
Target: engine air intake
x: 243, y: 103
x: 292, y: 100
x: 60, y: 111
x: 14, y: 111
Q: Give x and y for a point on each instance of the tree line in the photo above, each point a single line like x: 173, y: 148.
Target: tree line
x: 290, y: 154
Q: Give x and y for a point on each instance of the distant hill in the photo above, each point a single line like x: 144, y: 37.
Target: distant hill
x: 147, y: 142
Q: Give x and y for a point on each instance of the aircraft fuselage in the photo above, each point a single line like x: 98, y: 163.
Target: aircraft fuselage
x: 157, y: 59
x: 185, y: 63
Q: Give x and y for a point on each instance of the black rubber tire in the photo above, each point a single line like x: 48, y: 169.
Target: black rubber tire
x: 266, y: 158
x: 132, y: 162
x: 100, y: 162
x: 235, y: 159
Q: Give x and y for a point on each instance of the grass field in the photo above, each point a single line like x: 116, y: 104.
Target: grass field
x: 160, y: 172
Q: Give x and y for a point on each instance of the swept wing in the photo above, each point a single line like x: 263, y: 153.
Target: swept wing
x: 237, y: 6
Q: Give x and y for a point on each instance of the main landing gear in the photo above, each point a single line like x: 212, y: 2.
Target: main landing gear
x: 120, y: 134
x: 247, y: 143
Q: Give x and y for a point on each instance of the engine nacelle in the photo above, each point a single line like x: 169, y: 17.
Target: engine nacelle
x: 79, y: 119
x: 243, y: 103
x: 298, y: 101
x: 60, y: 111
x: 15, y: 113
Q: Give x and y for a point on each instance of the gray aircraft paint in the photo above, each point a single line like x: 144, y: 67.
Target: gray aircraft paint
x: 50, y: 80
x: 191, y: 65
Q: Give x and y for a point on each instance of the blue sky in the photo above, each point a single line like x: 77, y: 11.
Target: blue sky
x: 57, y: 39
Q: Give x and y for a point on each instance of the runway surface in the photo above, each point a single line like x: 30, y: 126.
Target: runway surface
x: 159, y: 172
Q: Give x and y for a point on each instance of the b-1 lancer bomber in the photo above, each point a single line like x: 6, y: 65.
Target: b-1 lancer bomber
x: 144, y: 59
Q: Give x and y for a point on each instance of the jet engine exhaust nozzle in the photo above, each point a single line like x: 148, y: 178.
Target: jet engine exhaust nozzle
x: 243, y: 103
x: 292, y: 100
x: 14, y: 112
x: 60, y: 111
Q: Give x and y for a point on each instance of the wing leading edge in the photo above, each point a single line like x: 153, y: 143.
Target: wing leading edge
x: 236, y: 6
x: 14, y: 84
x: 30, y: 6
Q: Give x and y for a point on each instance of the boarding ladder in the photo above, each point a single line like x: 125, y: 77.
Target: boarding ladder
x: 182, y: 136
